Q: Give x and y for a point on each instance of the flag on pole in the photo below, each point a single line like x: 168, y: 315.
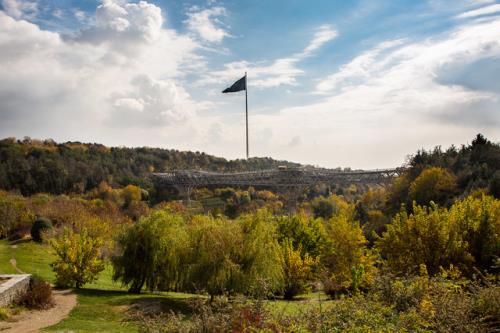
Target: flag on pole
x: 239, y: 85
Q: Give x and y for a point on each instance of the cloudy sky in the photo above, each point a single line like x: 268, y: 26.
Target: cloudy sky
x: 331, y: 83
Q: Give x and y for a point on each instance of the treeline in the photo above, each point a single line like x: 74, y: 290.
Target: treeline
x: 33, y: 166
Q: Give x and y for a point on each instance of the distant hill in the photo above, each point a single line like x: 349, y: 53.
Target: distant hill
x: 32, y: 166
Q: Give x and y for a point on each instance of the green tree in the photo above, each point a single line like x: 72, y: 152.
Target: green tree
x: 303, y: 232
x: 297, y: 269
x: 427, y: 236
x: 322, y: 207
x: 152, y: 252
x: 216, y: 254
x: 346, y: 256
x: 433, y: 184
x: 77, y: 260
x: 234, y: 256
x: 477, y: 220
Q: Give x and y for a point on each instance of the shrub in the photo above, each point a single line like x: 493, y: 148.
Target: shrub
x: 4, y: 314
x: 322, y: 207
x: 41, y: 224
x: 433, y: 184
x: 465, y: 235
x: 302, y: 231
x: 297, y: 270
x: 77, y: 260
x: 14, y: 213
x: 349, y: 264
x: 38, y: 296
x: 477, y: 221
x: 424, y: 237
x: 20, y: 232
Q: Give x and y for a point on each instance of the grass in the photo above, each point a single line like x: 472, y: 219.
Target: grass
x: 102, y: 306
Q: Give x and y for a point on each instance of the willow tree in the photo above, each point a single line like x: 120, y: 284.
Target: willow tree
x: 233, y: 256
x: 151, y: 253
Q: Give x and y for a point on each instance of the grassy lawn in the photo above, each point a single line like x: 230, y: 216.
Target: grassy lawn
x: 102, y: 305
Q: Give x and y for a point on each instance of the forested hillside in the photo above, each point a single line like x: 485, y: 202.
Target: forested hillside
x: 33, y: 166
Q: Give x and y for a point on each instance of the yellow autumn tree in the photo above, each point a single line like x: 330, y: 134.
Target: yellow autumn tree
x: 297, y: 270
x: 78, y: 258
x: 349, y: 263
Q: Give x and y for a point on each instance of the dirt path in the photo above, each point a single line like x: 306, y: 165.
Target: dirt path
x: 33, y: 321
x: 13, y: 262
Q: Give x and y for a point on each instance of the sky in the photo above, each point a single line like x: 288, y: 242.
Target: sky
x: 332, y: 83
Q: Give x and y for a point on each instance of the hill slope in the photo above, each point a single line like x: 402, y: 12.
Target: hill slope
x: 32, y: 166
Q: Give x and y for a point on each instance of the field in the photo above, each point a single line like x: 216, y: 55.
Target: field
x: 102, y: 306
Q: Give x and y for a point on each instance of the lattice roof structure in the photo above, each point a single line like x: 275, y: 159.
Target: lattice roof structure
x: 274, y: 178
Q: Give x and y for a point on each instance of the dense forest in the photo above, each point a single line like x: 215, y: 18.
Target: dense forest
x: 33, y: 166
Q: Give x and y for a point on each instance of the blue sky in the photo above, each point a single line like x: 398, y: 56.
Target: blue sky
x: 331, y: 83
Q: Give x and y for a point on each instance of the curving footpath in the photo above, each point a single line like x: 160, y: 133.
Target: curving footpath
x: 34, y: 320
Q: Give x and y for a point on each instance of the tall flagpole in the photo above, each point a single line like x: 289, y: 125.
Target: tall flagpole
x: 246, y: 105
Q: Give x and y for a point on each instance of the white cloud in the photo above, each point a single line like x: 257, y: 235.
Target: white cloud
x: 20, y: 8
x: 323, y: 34
x: 151, y: 103
x: 206, y: 24
x: 391, y: 98
x: 282, y: 71
x: 125, y: 69
x: 493, y: 9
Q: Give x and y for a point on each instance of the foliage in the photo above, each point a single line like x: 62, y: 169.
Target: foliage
x: 303, y: 232
x: 77, y: 260
x: 233, y: 256
x: 369, y: 210
x: 14, y: 213
x: 5, y: 313
x: 474, y: 166
x: 216, y: 316
x: 348, y: 263
x: 40, y: 225
x: 468, y: 233
x: 39, y: 295
x: 424, y: 237
x: 322, y: 207
x: 33, y: 166
x: 297, y: 270
x: 477, y: 220
x: 433, y: 184
x: 151, y: 253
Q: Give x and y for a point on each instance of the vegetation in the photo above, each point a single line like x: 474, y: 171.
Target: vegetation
x: 419, y: 255
x: 32, y: 166
x: 152, y: 253
x: 465, y: 236
x: 38, y: 296
x: 77, y: 260
x: 41, y: 224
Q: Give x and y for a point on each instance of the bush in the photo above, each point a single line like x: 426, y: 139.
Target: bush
x: 297, y: 270
x: 39, y: 295
x: 349, y: 264
x: 78, y: 260
x: 4, y: 314
x: 41, y: 224
x: 14, y: 213
x: 465, y: 235
x: 20, y: 232
x: 433, y: 184
x: 322, y: 207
